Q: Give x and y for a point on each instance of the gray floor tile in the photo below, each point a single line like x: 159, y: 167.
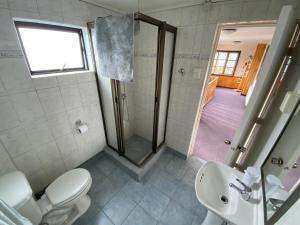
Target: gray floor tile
x: 106, y: 165
x: 177, y: 167
x: 154, y: 203
x: 101, y: 219
x: 88, y: 216
x: 136, y: 190
x: 176, y: 215
x: 119, y: 207
x: 189, y: 177
x: 186, y: 196
x: 198, y: 220
x: 104, y: 192
x: 119, y: 177
x: 164, y: 183
x: 139, y: 217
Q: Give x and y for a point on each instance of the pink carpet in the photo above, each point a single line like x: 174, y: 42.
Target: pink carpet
x: 220, y: 119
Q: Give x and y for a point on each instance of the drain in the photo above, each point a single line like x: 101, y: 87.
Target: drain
x: 224, y: 199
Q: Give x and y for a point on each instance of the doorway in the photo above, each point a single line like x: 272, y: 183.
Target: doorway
x: 238, y: 56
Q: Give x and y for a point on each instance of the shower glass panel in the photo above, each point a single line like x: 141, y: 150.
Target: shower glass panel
x: 105, y: 89
x: 138, y: 97
x: 165, y: 85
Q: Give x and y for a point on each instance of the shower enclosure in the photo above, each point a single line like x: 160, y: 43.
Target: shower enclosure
x: 135, y: 113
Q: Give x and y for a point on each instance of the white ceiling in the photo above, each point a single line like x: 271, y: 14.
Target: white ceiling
x: 144, y: 5
x: 248, y: 35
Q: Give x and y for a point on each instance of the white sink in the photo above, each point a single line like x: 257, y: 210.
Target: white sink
x: 213, y: 191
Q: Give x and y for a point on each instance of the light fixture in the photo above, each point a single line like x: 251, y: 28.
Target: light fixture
x: 229, y: 30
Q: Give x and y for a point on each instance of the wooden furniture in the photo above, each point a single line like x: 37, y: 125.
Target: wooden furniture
x: 250, y: 76
x: 210, y: 91
x: 228, y: 81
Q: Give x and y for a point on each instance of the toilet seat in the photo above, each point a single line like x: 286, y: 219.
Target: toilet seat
x: 68, y: 187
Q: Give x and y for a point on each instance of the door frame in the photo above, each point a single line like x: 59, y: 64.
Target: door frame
x: 220, y: 26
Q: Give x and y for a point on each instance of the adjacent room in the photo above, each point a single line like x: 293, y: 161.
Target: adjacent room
x: 147, y: 112
x: 239, y: 54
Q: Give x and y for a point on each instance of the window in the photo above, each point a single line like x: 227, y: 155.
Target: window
x: 225, y: 62
x: 50, y: 48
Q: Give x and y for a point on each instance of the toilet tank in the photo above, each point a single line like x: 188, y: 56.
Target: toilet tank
x: 16, y: 192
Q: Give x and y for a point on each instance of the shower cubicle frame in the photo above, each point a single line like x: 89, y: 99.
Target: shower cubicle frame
x: 163, y: 27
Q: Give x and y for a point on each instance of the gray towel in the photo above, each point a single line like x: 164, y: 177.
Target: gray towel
x: 114, y: 47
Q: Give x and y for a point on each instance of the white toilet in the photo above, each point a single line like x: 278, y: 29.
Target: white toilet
x: 64, y: 200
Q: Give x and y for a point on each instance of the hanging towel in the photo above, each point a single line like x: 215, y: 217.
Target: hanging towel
x: 9, y: 216
x: 114, y: 47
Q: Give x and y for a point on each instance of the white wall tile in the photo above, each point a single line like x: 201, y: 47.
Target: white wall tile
x: 3, y: 4
x: 190, y: 16
x: 66, y: 144
x: 15, y: 141
x: 8, y: 39
x: 85, y: 77
x: 38, y: 132
x: 230, y: 12
x: 27, y: 105
x: 59, y: 124
x: 71, y: 96
x: 25, y: 5
x: 68, y: 79
x: 15, y: 75
x: 28, y: 163
x: 45, y: 82
x: 6, y: 165
x: 47, y: 153
x: 9, y: 118
x: 254, y: 10
x: 51, y: 100
x: 52, y: 7
x: 88, y: 93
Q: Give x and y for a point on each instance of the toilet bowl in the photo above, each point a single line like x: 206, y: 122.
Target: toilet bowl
x: 64, y: 200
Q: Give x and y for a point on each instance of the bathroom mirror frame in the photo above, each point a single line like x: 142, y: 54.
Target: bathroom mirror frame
x: 163, y: 27
x: 295, y: 195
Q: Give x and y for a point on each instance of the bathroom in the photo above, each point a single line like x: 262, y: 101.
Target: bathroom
x: 40, y: 113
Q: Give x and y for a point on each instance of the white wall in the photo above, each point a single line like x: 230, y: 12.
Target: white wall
x: 246, y: 49
x: 197, y: 26
x: 37, y: 116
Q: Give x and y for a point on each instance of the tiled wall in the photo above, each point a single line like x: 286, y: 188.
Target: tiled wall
x: 197, y: 25
x: 37, y: 116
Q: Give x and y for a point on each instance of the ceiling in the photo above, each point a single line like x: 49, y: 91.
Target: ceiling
x: 127, y: 6
x: 248, y: 35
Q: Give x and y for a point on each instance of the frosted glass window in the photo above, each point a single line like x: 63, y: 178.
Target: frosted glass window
x: 50, y: 48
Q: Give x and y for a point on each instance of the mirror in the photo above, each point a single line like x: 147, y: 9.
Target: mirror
x: 281, y: 170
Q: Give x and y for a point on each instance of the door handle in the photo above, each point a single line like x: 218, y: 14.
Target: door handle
x: 227, y: 142
x: 295, y: 165
x: 277, y: 161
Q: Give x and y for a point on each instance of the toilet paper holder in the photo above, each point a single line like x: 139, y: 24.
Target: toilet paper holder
x: 78, y: 124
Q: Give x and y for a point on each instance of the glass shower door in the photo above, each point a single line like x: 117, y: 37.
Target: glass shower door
x: 138, y: 97
x: 165, y: 87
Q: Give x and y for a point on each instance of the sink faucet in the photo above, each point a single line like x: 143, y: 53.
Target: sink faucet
x: 246, y: 192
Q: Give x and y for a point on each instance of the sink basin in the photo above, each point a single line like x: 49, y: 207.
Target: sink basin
x: 213, y: 191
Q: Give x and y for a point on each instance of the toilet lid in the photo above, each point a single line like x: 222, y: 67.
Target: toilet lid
x: 68, y: 185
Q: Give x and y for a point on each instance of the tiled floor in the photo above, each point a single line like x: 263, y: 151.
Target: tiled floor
x: 137, y: 148
x: 165, y: 197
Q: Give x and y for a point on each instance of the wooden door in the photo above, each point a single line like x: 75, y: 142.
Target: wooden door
x: 254, y: 67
